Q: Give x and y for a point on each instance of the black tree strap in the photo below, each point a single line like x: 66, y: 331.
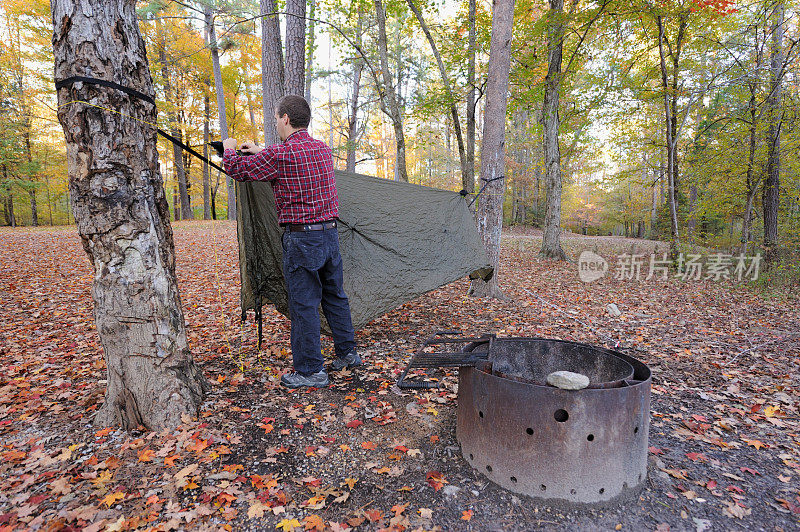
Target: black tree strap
x: 485, y: 184
x: 258, y: 320
x: 105, y: 83
x: 144, y: 97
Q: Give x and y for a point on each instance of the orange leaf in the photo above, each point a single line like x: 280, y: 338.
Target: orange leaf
x: 368, y: 445
x: 466, y: 515
x: 111, y: 498
x: 169, y: 461
x: 199, y: 446
x: 436, y: 480
x: 399, y: 508
x: 374, y: 515
x: 146, y: 455
x: 755, y: 443
x: 226, y: 498
x: 313, y: 522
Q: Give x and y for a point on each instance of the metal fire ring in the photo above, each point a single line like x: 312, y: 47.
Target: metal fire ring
x: 584, y: 447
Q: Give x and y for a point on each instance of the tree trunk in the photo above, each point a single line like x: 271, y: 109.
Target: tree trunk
x: 223, y: 120
x: 310, y: 47
x: 123, y: 218
x: 551, y: 238
x: 295, y: 46
x: 176, y: 205
x: 770, y: 199
x: 462, y: 154
x: 12, y: 219
x: 32, y: 190
x: 691, y: 223
x: 214, y: 200
x: 752, y: 182
x: 8, y: 204
x: 388, y: 92
x: 206, y: 168
x: 177, y: 154
x: 468, y: 178
x: 250, y: 110
x: 489, y: 214
x: 654, y: 209
x: 352, y: 120
x: 671, y: 141
x: 272, y: 74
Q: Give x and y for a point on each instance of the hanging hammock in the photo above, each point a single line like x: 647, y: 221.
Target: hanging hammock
x: 397, y: 241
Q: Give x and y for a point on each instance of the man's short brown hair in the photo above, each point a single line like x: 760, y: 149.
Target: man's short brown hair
x: 297, y: 108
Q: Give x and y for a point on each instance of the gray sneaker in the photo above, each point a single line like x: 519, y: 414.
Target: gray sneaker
x: 350, y: 360
x: 296, y: 380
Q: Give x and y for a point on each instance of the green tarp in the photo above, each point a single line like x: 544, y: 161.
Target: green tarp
x: 397, y: 241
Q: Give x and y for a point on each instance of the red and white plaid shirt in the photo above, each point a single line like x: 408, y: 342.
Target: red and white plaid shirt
x: 301, y: 173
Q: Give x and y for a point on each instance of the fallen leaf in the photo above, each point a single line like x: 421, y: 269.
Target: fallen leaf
x: 112, y: 498
x: 288, y: 525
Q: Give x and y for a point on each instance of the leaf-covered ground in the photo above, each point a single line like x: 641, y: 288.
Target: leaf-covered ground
x: 724, y: 435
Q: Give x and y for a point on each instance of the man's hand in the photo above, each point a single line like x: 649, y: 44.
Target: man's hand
x: 251, y: 147
x: 229, y: 144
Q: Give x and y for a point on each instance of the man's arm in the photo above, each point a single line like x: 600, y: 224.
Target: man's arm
x: 262, y: 166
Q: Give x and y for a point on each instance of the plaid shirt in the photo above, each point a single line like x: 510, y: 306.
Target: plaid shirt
x: 301, y: 173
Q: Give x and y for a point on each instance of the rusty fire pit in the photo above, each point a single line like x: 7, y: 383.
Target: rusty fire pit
x: 581, y: 447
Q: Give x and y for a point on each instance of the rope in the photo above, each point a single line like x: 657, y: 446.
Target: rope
x: 64, y: 83
x: 485, y: 184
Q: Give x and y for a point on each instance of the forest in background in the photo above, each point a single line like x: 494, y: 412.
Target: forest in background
x: 690, y: 105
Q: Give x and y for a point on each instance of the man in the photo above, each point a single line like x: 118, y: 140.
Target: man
x: 301, y: 174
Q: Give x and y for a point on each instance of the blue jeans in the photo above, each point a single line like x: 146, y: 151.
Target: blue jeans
x: 312, y: 267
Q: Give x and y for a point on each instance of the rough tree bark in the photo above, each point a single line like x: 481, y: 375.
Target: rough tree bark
x: 551, y: 239
x: 186, y: 212
x: 462, y: 153
x: 117, y: 197
x: 388, y: 92
x: 310, y: 48
x: 771, y: 194
x: 223, y: 120
x: 295, y: 46
x: 489, y: 215
x: 272, y: 74
x: 468, y: 177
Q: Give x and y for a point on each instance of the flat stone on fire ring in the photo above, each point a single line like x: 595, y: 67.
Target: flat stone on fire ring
x: 568, y: 380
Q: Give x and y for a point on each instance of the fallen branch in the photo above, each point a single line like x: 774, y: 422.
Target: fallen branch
x: 771, y: 342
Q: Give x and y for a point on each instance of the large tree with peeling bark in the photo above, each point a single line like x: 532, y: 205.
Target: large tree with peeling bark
x: 117, y: 197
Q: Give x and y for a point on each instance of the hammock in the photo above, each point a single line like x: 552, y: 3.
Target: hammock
x: 397, y: 241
